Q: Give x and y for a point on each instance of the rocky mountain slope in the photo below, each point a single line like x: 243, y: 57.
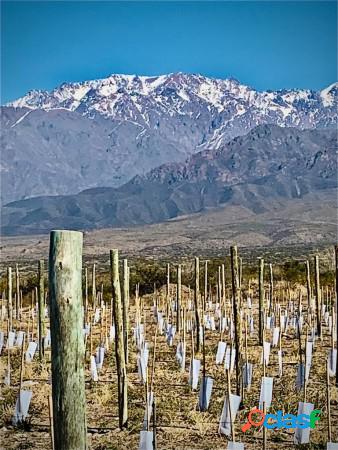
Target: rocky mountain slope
x: 259, y: 171
x: 104, y: 132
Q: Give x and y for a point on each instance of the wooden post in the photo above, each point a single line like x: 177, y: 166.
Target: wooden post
x: 328, y: 403
x: 68, y: 352
x: 196, y: 302
x: 308, y: 285
x: 168, y: 282
x: 86, y: 295
x: 9, y: 297
x: 232, y: 425
x: 41, y: 307
x: 93, y: 288
x: 235, y: 303
x: 21, y: 302
x: 178, y: 296
x: 223, y: 284
x: 154, y: 425
x: 240, y: 272
x: 205, y: 283
x: 17, y: 298
x: 50, y: 411
x: 264, y: 428
x: 119, y: 344
x: 318, y: 302
x: 271, y: 288
x: 125, y: 306
x: 261, y: 299
x: 21, y: 370
x: 219, y: 286
x: 8, y: 358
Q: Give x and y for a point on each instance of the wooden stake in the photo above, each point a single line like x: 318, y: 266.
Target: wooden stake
x: 196, y: 302
x: 329, y: 434
x: 205, y: 282
x: 125, y: 306
x: 264, y: 429
x: 154, y: 425
x: 240, y: 272
x: 65, y: 291
x: 41, y: 307
x: 235, y: 302
x: 261, y: 299
x: 93, y: 288
x: 50, y: 410
x: 9, y: 297
x: 271, y: 289
x: 17, y: 299
x: 192, y: 346
x: 308, y: 285
x: 8, y: 358
x: 86, y: 296
x: 178, y: 297
x: 168, y: 282
x: 153, y: 363
x: 318, y: 299
x: 230, y: 412
x: 21, y: 370
x: 223, y: 284
x: 119, y: 341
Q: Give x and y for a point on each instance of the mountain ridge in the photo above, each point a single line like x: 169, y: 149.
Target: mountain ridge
x: 258, y: 171
x: 105, y: 132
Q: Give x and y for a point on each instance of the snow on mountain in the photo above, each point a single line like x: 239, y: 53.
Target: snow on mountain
x: 126, y: 125
x: 329, y: 95
x: 120, y: 95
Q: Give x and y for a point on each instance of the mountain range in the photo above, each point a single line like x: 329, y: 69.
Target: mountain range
x: 104, y: 133
x: 259, y: 172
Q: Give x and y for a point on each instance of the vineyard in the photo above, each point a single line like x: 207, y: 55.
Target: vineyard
x: 167, y: 355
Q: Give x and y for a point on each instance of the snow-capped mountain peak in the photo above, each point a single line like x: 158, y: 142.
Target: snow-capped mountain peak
x: 185, y: 94
x: 125, y: 125
x: 329, y: 94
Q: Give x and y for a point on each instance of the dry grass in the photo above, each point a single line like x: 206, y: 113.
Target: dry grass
x: 179, y: 424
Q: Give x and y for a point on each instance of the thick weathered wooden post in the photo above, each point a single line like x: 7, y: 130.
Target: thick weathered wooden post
x: 178, y: 296
x: 318, y: 302
x: 261, y: 299
x: 196, y: 302
x: 119, y: 341
x: 10, y: 298
x: 235, y: 303
x: 68, y: 351
x: 41, y: 306
x: 125, y: 304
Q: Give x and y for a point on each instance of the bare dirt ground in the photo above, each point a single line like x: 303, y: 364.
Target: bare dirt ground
x: 179, y: 423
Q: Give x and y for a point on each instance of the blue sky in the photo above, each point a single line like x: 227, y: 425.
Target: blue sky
x: 268, y: 45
